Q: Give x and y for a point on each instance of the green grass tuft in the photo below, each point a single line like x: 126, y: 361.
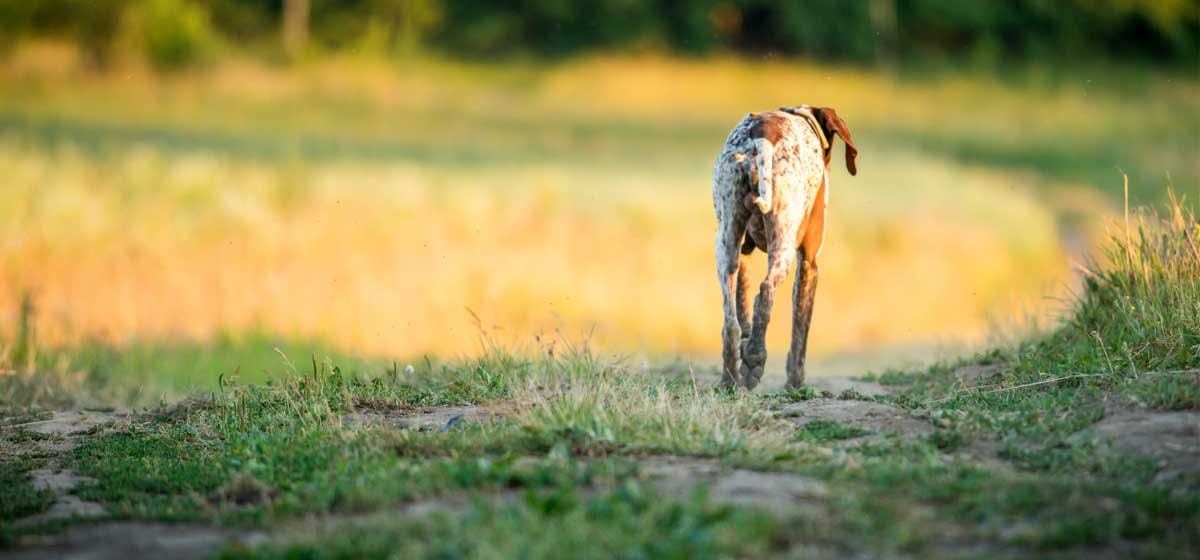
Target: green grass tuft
x: 826, y: 430
x: 1140, y: 312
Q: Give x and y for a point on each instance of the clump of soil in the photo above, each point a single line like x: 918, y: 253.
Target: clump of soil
x: 244, y: 490
x: 977, y: 375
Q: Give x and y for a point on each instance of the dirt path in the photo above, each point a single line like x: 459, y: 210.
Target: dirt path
x: 1172, y: 438
x: 128, y: 540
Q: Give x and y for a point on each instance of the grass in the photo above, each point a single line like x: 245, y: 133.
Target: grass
x: 1136, y: 324
x: 628, y: 522
x: 1131, y: 340
x: 823, y: 430
x: 315, y: 243
x: 563, y: 470
x: 262, y: 456
x: 1014, y: 464
x: 21, y: 498
x: 149, y: 373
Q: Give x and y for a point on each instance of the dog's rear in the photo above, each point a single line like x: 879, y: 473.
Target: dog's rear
x: 770, y: 183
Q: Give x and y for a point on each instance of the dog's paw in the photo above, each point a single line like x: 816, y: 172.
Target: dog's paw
x: 751, y: 374
x: 753, y: 354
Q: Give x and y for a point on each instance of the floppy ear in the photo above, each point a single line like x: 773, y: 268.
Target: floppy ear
x: 832, y: 124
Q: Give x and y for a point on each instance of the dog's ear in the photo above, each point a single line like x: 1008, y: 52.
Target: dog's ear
x: 832, y: 124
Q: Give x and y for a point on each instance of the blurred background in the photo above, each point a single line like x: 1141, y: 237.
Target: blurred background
x: 193, y: 187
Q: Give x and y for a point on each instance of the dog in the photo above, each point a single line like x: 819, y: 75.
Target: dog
x: 770, y: 192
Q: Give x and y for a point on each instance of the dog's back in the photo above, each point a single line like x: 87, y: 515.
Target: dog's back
x: 774, y: 160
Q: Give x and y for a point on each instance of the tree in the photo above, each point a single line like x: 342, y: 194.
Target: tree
x: 295, y: 26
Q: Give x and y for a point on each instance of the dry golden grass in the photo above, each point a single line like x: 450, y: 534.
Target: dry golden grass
x: 388, y: 258
x: 553, y: 211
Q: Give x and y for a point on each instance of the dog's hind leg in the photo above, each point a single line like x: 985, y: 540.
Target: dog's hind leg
x: 743, y: 292
x: 802, y: 298
x: 729, y: 177
x: 729, y: 240
x: 805, y: 291
x: 780, y: 254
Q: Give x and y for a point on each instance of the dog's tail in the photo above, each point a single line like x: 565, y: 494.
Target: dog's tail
x: 764, y: 159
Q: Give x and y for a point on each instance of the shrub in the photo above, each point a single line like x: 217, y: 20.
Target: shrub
x: 172, y: 34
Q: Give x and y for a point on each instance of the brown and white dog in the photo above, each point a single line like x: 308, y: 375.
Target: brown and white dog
x: 770, y: 190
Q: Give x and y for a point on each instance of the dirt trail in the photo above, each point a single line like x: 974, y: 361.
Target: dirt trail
x: 127, y: 540
x: 1170, y: 437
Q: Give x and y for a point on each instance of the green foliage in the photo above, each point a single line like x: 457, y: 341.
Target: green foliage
x: 553, y: 27
x: 92, y: 24
x: 172, y: 34
x: 858, y: 30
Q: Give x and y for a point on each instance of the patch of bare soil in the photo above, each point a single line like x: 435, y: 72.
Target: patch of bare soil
x: 840, y: 385
x: 67, y: 428
x: 72, y: 422
x: 774, y: 492
x: 876, y: 418
x: 66, y: 505
x: 1172, y: 438
x: 424, y: 418
x: 116, y: 540
x: 128, y: 540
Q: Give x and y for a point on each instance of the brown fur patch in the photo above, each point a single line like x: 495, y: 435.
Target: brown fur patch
x: 768, y: 125
x: 812, y: 233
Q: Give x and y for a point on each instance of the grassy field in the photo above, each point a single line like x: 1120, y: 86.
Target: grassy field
x: 397, y: 211
x: 1017, y: 452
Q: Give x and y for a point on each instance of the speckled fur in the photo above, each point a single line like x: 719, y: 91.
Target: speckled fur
x: 788, y: 225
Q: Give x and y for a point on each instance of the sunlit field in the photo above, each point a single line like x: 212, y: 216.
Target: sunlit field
x: 395, y: 211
